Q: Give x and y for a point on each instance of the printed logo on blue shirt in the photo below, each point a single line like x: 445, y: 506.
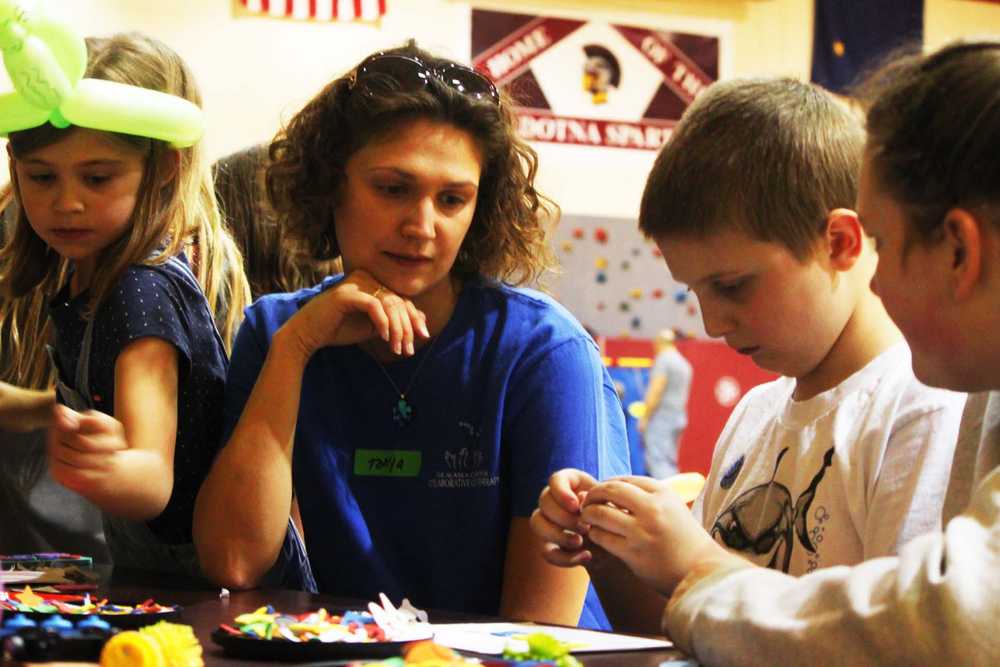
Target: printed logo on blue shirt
x: 463, y: 459
x: 466, y: 467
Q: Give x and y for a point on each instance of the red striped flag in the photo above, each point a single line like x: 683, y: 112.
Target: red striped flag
x: 319, y: 10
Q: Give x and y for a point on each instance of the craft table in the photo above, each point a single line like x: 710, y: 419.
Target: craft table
x: 204, y: 610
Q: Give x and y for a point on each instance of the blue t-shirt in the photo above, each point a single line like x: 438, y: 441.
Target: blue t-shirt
x: 511, y: 390
x: 163, y: 302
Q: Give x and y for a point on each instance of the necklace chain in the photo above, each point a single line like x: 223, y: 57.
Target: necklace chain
x: 402, y: 412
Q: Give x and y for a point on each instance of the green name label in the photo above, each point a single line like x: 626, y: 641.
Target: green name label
x: 386, y: 463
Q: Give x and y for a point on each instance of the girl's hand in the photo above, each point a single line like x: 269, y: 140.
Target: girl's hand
x: 643, y: 522
x: 357, y: 309
x: 82, y: 447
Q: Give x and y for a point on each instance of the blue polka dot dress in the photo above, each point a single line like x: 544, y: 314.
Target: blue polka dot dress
x: 164, y: 302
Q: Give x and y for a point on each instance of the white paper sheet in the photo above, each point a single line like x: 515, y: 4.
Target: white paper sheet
x: 19, y: 576
x: 492, y: 638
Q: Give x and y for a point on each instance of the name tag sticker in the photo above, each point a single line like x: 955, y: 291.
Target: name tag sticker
x: 386, y: 463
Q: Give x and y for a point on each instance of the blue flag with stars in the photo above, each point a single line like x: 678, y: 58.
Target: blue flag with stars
x: 851, y: 36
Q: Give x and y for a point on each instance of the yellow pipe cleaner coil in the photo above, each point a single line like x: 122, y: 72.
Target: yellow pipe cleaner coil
x: 161, y: 645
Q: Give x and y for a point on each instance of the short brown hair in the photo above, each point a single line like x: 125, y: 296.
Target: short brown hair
x: 508, y: 236
x: 934, y: 132
x: 768, y: 157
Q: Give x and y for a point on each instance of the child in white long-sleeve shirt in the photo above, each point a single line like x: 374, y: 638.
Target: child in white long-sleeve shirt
x: 930, y: 196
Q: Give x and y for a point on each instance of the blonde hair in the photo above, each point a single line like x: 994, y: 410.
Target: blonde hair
x: 24, y: 324
x: 170, y: 215
x: 275, y: 262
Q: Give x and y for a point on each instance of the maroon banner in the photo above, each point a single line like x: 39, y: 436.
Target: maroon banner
x: 510, y: 57
x: 680, y: 72
x: 536, y: 125
x: 593, y: 83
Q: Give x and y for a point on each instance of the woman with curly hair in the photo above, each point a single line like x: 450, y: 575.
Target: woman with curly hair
x: 418, y: 402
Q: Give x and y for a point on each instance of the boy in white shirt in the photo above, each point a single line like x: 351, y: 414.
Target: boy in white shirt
x: 846, y: 457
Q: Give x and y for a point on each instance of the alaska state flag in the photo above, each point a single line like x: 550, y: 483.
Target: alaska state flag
x: 851, y: 36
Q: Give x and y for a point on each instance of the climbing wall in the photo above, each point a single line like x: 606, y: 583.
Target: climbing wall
x: 615, y: 281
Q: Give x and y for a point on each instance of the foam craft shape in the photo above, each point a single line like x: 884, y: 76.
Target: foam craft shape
x: 46, y: 60
x: 687, y: 485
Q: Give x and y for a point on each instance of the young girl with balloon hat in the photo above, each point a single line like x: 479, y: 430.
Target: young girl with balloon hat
x: 110, y: 190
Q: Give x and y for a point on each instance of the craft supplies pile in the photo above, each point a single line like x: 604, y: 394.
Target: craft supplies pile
x: 27, y: 601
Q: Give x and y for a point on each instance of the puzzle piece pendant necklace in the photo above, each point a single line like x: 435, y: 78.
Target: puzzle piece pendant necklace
x: 402, y: 411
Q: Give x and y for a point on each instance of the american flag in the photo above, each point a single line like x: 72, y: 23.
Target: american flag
x: 319, y: 10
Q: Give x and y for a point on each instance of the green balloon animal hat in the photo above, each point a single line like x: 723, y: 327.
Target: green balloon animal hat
x: 46, y: 60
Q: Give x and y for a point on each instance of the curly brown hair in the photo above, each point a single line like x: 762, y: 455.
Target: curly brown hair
x: 507, y: 240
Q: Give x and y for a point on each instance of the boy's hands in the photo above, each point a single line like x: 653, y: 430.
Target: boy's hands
x: 635, y: 536
x: 644, y: 523
x: 557, y: 520
x: 82, y: 447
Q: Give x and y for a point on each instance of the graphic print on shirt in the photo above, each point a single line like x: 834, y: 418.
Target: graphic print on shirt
x: 467, y: 466
x: 729, y: 478
x: 764, y: 518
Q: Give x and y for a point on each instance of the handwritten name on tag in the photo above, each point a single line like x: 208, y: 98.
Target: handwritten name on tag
x: 386, y: 463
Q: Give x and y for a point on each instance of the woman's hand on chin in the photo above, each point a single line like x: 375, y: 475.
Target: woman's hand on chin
x: 357, y: 309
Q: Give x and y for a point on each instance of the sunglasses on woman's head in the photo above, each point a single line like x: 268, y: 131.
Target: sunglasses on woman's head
x: 411, y: 75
